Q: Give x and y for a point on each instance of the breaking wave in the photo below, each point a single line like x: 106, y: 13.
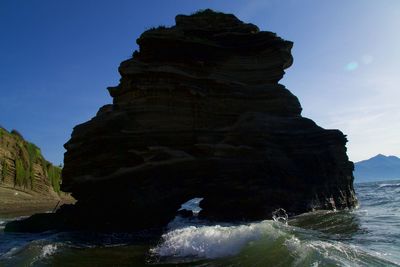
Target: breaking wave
x: 209, y: 241
x: 369, y: 236
x: 389, y: 185
x: 256, y: 244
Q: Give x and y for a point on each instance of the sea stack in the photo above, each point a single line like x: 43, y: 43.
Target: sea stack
x: 199, y: 112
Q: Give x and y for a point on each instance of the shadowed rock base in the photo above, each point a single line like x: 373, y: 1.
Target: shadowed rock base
x: 199, y: 113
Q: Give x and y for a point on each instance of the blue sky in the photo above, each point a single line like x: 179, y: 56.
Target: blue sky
x: 58, y: 57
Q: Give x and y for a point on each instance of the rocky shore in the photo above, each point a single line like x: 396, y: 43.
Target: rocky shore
x: 20, y: 203
x: 199, y: 112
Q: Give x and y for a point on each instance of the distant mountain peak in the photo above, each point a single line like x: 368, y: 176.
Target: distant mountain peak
x: 381, y: 156
x: 379, y: 167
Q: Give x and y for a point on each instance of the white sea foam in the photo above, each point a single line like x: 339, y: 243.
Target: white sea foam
x: 192, y: 205
x: 39, y: 248
x: 389, y: 185
x: 212, y: 241
x: 300, y: 247
x: 48, y: 250
x: 280, y: 215
x: 329, y: 252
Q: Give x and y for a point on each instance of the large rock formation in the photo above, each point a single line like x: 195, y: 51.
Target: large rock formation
x: 199, y: 112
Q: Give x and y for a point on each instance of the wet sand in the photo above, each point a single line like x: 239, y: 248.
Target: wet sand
x: 14, y: 203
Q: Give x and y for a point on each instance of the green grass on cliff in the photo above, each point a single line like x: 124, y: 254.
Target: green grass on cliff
x: 22, y: 174
x: 2, y: 132
x: 35, y: 156
x: 28, y: 155
x: 33, y: 151
x: 54, y: 174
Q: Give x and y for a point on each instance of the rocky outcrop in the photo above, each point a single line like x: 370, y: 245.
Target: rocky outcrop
x: 199, y: 112
x: 28, y: 182
x: 22, y: 166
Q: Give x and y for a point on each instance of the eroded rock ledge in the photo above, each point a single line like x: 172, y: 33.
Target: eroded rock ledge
x: 199, y: 112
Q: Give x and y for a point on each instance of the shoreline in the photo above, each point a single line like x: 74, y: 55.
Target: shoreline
x: 16, y: 203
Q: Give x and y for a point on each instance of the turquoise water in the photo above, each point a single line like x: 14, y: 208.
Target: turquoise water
x: 367, y: 236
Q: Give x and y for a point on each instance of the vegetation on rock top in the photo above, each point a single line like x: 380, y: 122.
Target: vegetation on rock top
x: 27, y: 156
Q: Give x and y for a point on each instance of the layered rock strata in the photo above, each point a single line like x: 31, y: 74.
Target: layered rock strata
x: 28, y: 182
x: 199, y: 112
x: 23, y: 167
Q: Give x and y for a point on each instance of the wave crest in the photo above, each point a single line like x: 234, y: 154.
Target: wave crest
x: 256, y: 244
x: 211, y: 241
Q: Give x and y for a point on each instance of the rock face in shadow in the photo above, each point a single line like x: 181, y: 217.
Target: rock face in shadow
x: 199, y: 112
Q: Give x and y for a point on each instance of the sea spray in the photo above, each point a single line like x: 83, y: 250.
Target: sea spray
x: 389, y: 185
x: 256, y: 244
x: 212, y: 241
x: 48, y: 250
x: 280, y: 215
x: 30, y: 254
x: 193, y: 205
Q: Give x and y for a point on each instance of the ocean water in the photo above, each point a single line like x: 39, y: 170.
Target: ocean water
x: 367, y: 236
